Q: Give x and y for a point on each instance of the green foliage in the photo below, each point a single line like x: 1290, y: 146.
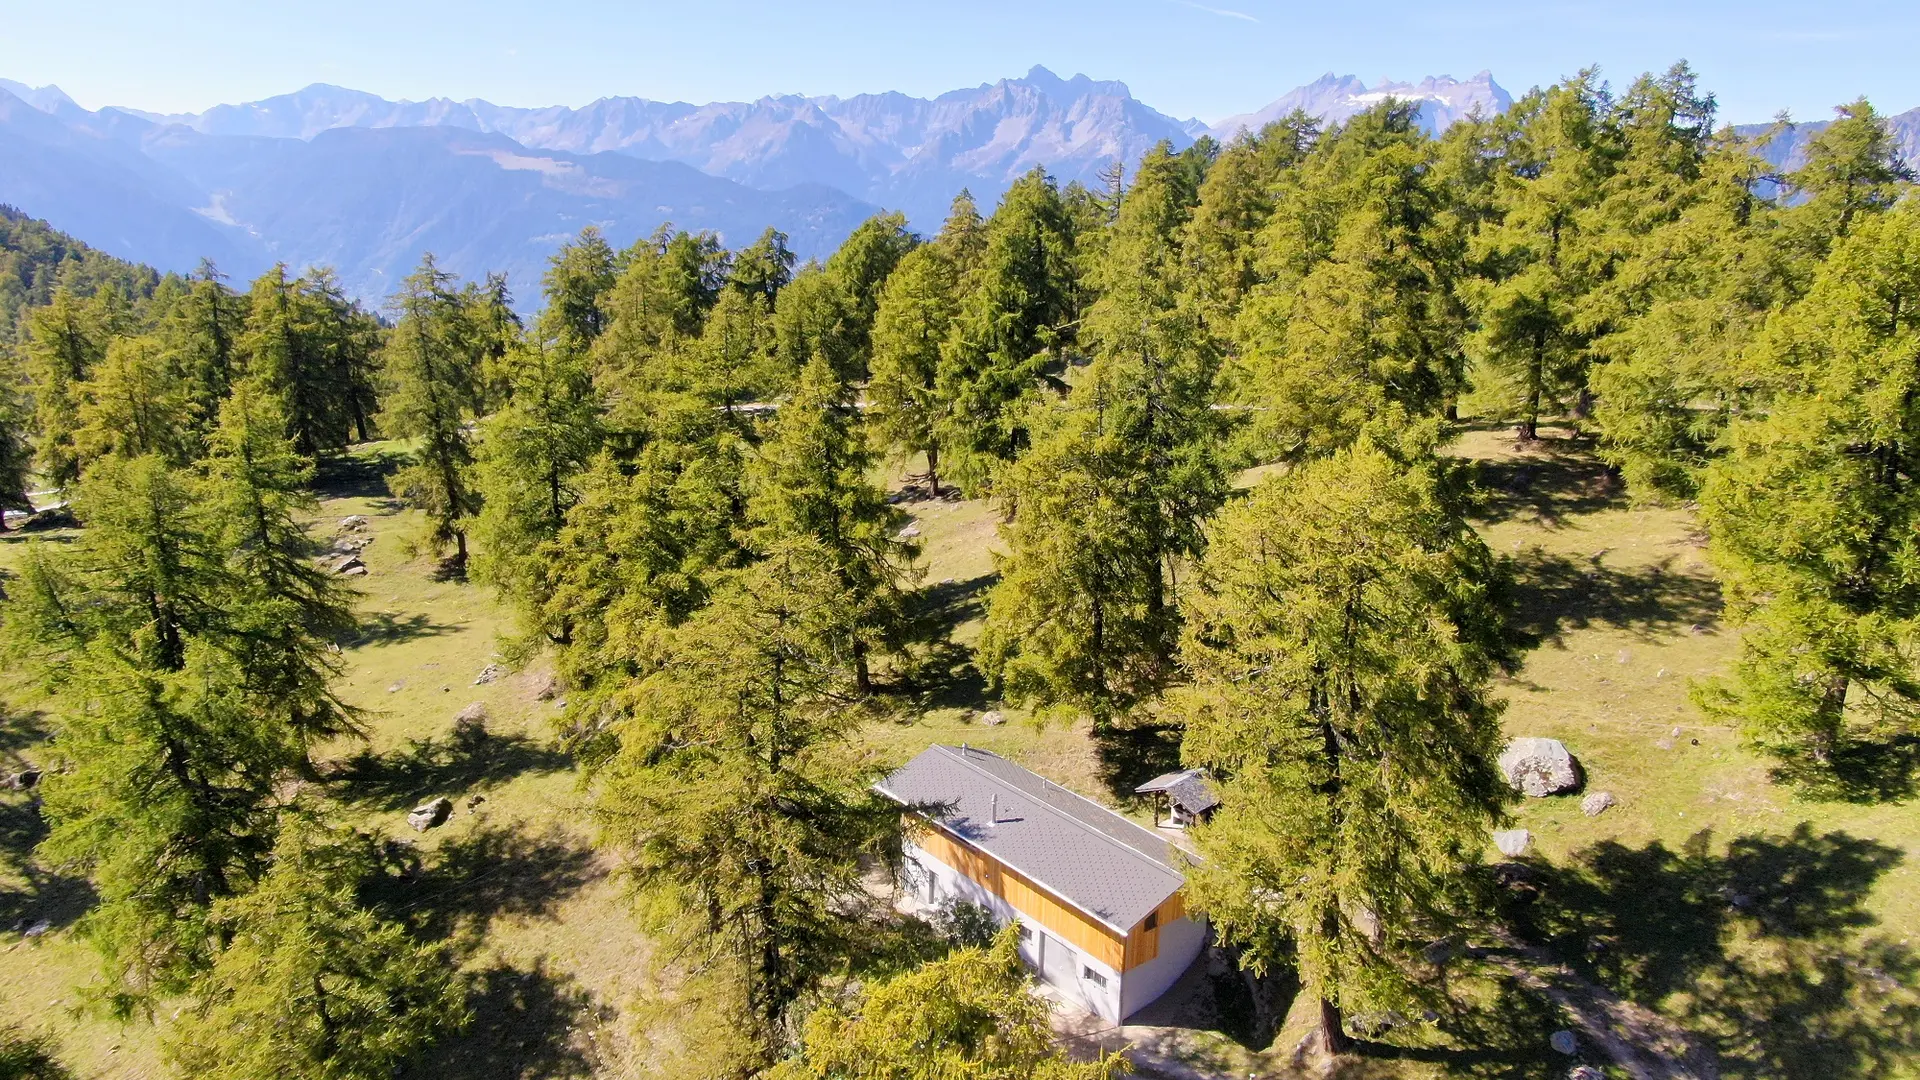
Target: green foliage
x: 63, y: 342
x: 1341, y: 643
x: 1812, y: 508
x: 132, y: 403
x: 967, y: 1016
x: 431, y: 363
x: 913, y: 320
x: 36, y: 260
x: 314, y: 348
x: 740, y: 816
x: 29, y: 1058
x: 764, y: 267
x: 310, y: 984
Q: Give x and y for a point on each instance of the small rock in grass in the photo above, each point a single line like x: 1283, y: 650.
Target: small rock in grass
x: 397, y: 686
x: 354, y: 571
x: 1598, y: 803
x: 1564, y: 1042
x: 548, y: 688
x: 24, y: 780
x: 1539, y: 767
x: 1513, y: 842
x: 37, y: 929
x: 993, y: 718
x: 1586, y: 1072
x: 908, y: 533
x: 488, y: 674
x: 354, y: 521
x: 349, y: 564
x: 474, y: 801
x: 475, y: 713
x: 430, y: 814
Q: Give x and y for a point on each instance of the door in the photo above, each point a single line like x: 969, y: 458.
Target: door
x: 1059, y: 964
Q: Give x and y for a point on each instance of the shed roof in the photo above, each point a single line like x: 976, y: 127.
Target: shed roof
x: 1189, y: 789
x: 1082, y: 852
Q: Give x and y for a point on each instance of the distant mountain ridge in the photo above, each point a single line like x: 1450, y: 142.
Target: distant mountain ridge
x: 1334, y: 99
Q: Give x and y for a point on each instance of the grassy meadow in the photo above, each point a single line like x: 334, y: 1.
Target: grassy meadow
x: 1775, y: 924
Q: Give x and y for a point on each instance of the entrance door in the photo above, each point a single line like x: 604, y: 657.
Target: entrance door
x: 1059, y: 964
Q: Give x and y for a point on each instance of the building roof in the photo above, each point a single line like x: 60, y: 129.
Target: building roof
x: 1188, y: 789
x: 1085, y: 854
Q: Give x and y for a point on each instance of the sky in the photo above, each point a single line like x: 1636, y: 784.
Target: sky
x: 1189, y: 58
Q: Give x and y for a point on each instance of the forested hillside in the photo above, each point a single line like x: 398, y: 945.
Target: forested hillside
x: 1326, y: 460
x: 35, y: 259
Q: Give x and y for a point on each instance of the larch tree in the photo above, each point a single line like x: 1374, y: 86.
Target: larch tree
x: 1813, y: 508
x: 1341, y: 644
x: 810, y: 483
x: 63, y: 342
x: 970, y: 1014
x: 430, y: 364
x: 741, y: 821
x: 133, y: 403
x: 202, y: 334
x: 860, y: 267
x: 914, y: 318
x: 764, y: 267
x: 311, y: 984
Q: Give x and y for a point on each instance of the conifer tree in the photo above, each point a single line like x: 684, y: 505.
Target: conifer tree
x: 860, y: 267
x: 63, y: 343
x: 1235, y: 201
x: 816, y: 318
x: 969, y: 1014
x: 733, y: 363
x: 530, y: 460
x: 430, y: 364
x: 1531, y: 336
x: 1812, y: 508
x: 345, y: 341
x: 810, y: 483
x: 1341, y: 645
x: 764, y: 267
x: 963, y: 235
x: 1011, y: 325
x: 16, y: 441
x: 311, y: 984
x: 132, y: 403
x: 285, y: 615
x: 202, y: 334
x: 281, y: 352
x: 1853, y: 169
x: 166, y: 780
x: 578, y: 278
x: 742, y: 824
x: 915, y: 316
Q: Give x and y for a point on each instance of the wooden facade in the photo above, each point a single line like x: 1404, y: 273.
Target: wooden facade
x: 1060, y: 918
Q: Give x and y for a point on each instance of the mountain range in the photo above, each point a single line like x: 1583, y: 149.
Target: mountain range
x: 346, y: 178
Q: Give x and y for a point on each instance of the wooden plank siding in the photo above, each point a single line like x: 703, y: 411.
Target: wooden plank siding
x: 1034, y: 901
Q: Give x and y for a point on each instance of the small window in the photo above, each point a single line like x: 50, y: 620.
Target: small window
x: 1094, y: 977
x: 1153, y: 921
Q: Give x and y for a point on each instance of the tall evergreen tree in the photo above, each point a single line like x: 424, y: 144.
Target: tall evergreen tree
x: 741, y: 823
x: 1812, y: 511
x: 281, y: 352
x: 764, y: 267
x: 133, y: 403
x: 311, y: 984
x: 811, y: 483
x: 344, y: 340
x: 430, y: 364
x: 202, y: 334
x: 1341, y: 646
x: 63, y: 343
x: 914, y: 318
x: 860, y: 267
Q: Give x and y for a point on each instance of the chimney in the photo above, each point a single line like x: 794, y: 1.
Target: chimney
x: 993, y: 811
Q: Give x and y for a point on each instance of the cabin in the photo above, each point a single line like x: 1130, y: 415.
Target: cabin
x: 1098, y: 899
x: 1188, y: 795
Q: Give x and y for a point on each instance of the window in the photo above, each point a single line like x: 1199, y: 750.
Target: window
x: 1153, y: 921
x: 1094, y: 977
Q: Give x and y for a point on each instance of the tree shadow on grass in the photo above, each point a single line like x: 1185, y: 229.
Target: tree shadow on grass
x: 1767, y: 949
x: 1133, y: 751
x: 1553, y: 594
x: 455, y: 891
x: 356, y: 476
x: 468, y: 760
x: 386, y: 628
x: 30, y: 892
x: 527, y: 1025
x: 1866, y: 770
x: 1546, y: 488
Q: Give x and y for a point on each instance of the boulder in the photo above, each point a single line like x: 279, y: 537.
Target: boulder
x: 354, y: 521
x: 489, y: 674
x: 1564, y: 1042
x: 354, y: 571
x: 548, y: 687
x: 37, y: 929
x: 993, y: 718
x: 24, y: 780
x: 1539, y: 767
x: 1586, y: 1072
x: 349, y: 563
x: 908, y: 533
x: 429, y: 815
x: 1598, y: 803
x: 475, y: 713
x: 1513, y: 843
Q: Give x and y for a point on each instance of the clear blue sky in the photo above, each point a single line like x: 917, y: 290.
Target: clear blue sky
x: 1206, y: 58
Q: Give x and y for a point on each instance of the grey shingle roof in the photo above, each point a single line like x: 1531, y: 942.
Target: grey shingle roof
x: 1080, y: 851
x: 1188, y: 789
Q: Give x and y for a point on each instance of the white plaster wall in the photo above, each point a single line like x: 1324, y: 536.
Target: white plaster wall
x: 1180, y: 942
x: 1075, y: 988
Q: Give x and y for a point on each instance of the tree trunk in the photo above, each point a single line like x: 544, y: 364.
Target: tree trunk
x: 1332, y: 1035
x: 862, y: 677
x: 933, y: 470
x: 460, y: 549
x: 1829, y: 719
x: 1536, y: 376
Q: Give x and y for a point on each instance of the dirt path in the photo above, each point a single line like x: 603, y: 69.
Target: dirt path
x: 1644, y: 1043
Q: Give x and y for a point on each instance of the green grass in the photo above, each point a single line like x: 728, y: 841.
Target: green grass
x: 1621, y: 613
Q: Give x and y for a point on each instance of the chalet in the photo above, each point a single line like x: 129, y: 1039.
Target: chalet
x: 1189, y: 796
x: 1098, y: 898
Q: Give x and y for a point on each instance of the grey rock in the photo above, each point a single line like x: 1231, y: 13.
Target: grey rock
x: 1585, y: 1072
x: 1539, y: 767
x: 1564, y: 1042
x: 993, y: 718
x: 1513, y: 843
x: 37, y: 929
x: 474, y: 801
x: 354, y: 571
x: 396, y: 686
x: 489, y: 674
x: 475, y: 713
x: 349, y: 563
x: 429, y: 815
x: 354, y: 521
x: 24, y: 780
x: 907, y: 533
x: 1598, y: 803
